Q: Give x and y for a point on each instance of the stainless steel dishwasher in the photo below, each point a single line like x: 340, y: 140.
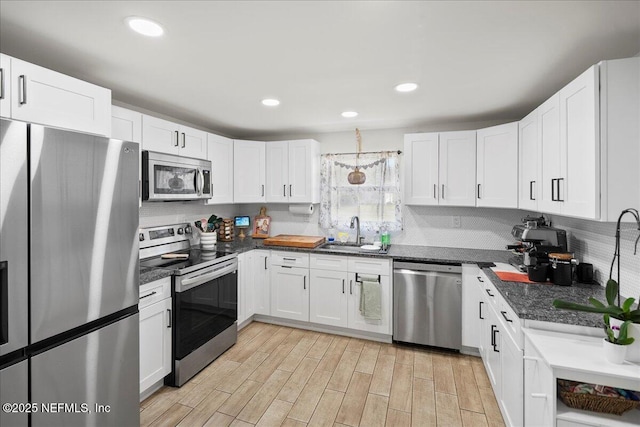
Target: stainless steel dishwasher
x: 427, y: 304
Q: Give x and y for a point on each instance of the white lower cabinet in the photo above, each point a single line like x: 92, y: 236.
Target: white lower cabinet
x: 471, y: 306
x: 155, y: 332
x: 538, y: 389
x: 261, y: 282
x: 336, y: 288
x: 329, y: 297
x: 290, y: 292
x: 245, y: 286
x: 500, y: 343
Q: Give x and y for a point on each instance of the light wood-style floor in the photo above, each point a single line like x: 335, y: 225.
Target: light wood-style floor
x: 284, y: 376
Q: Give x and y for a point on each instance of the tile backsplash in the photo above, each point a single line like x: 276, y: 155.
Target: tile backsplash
x: 480, y: 228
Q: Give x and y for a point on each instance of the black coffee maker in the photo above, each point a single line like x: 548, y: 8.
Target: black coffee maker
x: 535, y: 241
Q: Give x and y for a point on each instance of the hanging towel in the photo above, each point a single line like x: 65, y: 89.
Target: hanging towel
x: 370, y: 298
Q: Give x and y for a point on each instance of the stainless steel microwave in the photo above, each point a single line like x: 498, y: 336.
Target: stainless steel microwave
x: 166, y: 177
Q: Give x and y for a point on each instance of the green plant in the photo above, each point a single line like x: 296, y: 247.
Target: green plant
x: 623, y: 312
x: 621, y: 337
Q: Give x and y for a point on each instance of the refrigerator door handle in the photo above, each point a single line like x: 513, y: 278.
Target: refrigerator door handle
x: 4, y: 298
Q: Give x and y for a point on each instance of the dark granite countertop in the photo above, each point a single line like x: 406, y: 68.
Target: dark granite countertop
x: 533, y: 301
x: 529, y: 301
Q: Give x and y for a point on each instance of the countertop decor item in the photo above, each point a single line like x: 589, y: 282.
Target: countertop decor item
x: 357, y: 177
x: 261, y: 224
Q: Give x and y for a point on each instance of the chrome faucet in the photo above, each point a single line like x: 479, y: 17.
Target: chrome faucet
x: 356, y: 221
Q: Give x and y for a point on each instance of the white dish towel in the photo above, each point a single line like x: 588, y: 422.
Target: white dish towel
x: 370, y: 298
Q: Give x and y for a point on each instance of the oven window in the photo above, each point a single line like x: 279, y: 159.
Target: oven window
x: 205, y: 311
x: 174, y: 180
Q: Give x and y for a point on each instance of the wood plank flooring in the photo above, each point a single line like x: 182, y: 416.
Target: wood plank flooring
x: 279, y: 376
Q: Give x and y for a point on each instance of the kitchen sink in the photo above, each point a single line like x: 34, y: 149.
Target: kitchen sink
x: 345, y: 247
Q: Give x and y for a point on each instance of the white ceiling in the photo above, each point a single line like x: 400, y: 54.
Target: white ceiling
x: 473, y: 60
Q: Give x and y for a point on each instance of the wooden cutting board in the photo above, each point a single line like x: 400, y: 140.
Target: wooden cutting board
x: 294, y: 241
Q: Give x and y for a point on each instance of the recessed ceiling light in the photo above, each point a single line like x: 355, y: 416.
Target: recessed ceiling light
x: 349, y: 114
x: 406, y: 87
x: 270, y: 102
x: 145, y: 26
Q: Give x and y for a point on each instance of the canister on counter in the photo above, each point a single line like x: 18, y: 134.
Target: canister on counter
x: 562, y: 268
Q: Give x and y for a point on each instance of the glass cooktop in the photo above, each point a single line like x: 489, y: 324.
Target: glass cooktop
x: 196, y: 257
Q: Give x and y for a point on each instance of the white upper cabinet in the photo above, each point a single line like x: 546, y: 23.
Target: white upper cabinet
x: 421, y: 169
x: 38, y: 95
x: 293, y: 169
x: 126, y: 124
x: 579, y: 186
x: 497, y: 166
x: 5, y: 86
x: 440, y: 168
x: 220, y: 153
x: 249, y: 174
x: 277, y: 171
x: 457, y: 174
x: 528, y: 143
x: 550, y: 155
x: 164, y: 136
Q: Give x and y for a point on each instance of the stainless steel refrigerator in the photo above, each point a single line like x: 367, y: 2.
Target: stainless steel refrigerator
x: 68, y: 278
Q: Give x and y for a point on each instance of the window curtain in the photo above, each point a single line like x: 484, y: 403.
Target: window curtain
x: 377, y: 202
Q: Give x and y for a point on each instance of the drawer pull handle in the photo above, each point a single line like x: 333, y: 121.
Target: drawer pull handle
x: 23, y: 89
x: 494, y: 342
x: 148, y: 295
x: 169, y: 312
x: 177, y: 144
x: 538, y: 395
x: 265, y: 263
x: 351, y: 287
x: 504, y: 314
x: 304, y: 282
x: 489, y: 293
x: 343, y: 286
x: 289, y: 259
x: 480, y: 309
x: 284, y: 190
x: 184, y: 140
x: 480, y: 279
x: 535, y: 359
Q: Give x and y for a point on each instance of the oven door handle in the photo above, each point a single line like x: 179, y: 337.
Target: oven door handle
x: 192, y: 282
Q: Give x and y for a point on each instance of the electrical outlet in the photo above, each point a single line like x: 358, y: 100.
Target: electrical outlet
x: 455, y: 221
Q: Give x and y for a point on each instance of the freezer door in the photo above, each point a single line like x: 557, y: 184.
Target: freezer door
x: 13, y: 236
x: 84, y: 221
x: 95, y: 377
x: 14, y: 381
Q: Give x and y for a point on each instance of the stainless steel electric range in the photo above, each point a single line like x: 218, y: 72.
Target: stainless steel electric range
x: 205, y: 297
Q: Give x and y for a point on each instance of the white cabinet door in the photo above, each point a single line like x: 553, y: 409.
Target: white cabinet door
x: 491, y: 342
x: 538, y: 389
x: 277, y: 171
x: 551, y: 155
x: 421, y: 169
x: 328, y: 301
x: 579, y: 137
x: 528, y: 142
x: 245, y: 285
x: 249, y: 171
x: 357, y: 320
x: 511, y: 389
x: 261, y: 282
x: 5, y: 86
x: 472, y: 306
x: 193, y: 142
x: 155, y: 343
x: 220, y: 153
x: 160, y: 135
x: 457, y: 174
x: 497, y: 166
x: 290, y: 292
x: 47, y: 97
x: 304, y: 171
x: 126, y: 124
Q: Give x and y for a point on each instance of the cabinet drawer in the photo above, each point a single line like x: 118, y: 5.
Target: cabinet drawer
x: 369, y: 265
x: 293, y: 259
x: 153, y: 292
x: 328, y: 262
x: 489, y: 291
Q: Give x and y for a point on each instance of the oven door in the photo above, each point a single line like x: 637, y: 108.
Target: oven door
x: 168, y: 177
x: 206, y: 303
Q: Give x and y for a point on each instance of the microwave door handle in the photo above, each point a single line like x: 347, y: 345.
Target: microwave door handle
x: 201, y: 181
